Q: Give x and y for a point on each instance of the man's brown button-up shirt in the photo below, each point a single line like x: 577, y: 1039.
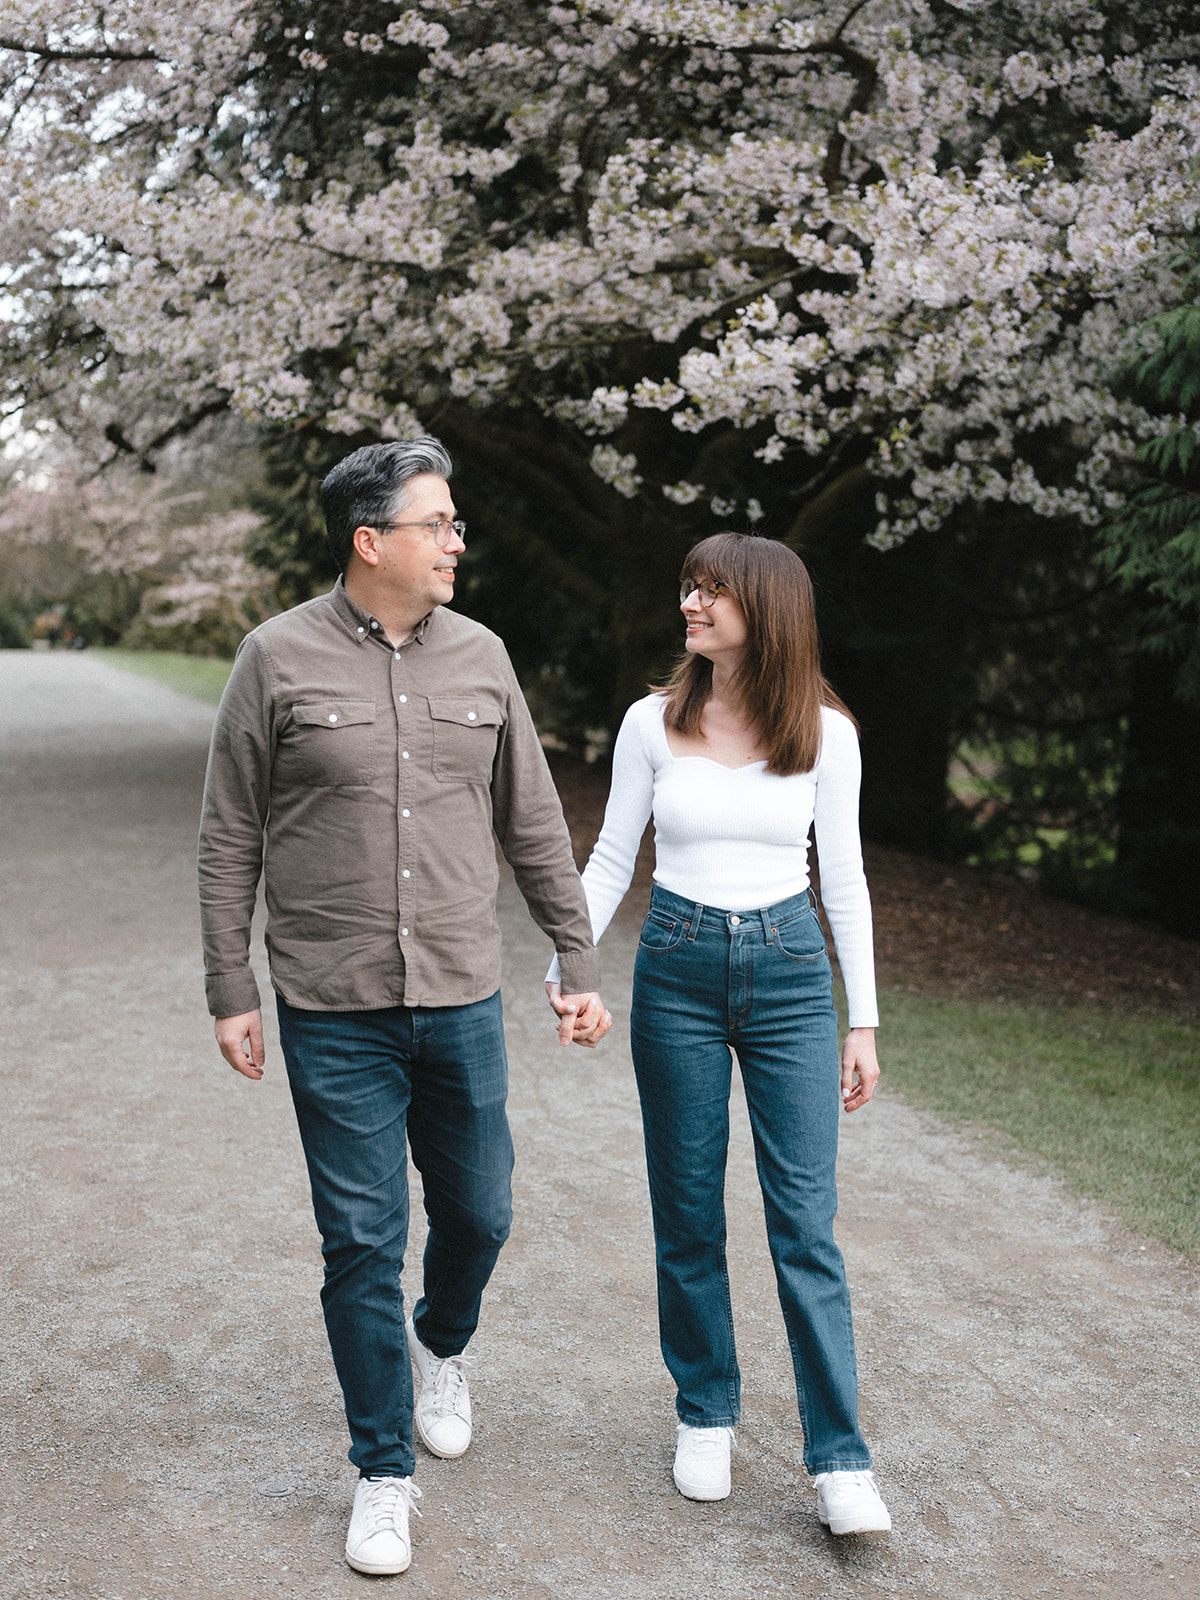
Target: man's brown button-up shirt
x: 367, y: 783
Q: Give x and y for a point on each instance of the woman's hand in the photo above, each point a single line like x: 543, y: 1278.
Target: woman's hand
x: 860, y: 1068
x: 582, y: 1018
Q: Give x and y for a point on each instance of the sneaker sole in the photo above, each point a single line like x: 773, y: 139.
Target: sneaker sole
x: 691, y: 1491
x: 841, y: 1528
x: 376, y: 1569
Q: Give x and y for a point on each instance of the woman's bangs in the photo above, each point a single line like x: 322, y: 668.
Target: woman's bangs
x: 704, y: 564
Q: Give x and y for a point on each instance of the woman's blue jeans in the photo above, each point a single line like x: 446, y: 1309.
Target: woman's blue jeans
x: 758, y: 981
x: 365, y: 1083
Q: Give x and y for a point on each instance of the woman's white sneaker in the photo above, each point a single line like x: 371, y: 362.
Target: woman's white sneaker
x: 849, y: 1502
x: 442, y: 1412
x: 378, y: 1541
x: 702, y: 1462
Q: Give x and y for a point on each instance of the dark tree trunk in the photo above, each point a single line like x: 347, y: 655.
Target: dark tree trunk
x: 1158, y: 858
x: 892, y: 637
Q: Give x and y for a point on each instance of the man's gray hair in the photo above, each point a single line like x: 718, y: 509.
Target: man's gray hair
x: 368, y: 487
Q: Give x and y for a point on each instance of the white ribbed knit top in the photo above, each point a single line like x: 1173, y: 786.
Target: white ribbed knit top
x: 737, y: 838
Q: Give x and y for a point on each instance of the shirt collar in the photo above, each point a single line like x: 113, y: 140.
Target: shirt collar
x: 361, y: 624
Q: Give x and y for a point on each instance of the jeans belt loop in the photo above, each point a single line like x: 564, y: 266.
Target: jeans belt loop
x: 768, y: 930
x: 694, y: 924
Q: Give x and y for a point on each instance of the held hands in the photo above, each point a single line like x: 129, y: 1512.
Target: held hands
x: 582, y: 1018
x: 240, y: 1040
x: 860, y: 1068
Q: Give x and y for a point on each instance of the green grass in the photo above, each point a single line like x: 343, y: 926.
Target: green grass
x: 1110, y: 1103
x: 198, y: 676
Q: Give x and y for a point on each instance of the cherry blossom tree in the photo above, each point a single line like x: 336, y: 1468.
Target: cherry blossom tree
x: 157, y: 560
x: 648, y: 265
x: 923, y: 225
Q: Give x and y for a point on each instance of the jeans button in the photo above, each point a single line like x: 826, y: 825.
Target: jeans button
x: 735, y: 922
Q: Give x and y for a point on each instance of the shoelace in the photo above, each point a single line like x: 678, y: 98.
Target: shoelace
x: 448, y: 1382
x: 384, y: 1500
x: 851, y: 1480
x: 707, y: 1441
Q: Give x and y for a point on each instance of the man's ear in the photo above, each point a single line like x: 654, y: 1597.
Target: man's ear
x: 365, y: 545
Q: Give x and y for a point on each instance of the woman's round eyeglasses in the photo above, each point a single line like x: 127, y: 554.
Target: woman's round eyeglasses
x: 707, y: 591
x: 439, y: 528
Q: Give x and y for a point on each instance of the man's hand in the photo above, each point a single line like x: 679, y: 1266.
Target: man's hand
x: 860, y: 1068
x: 241, y: 1042
x: 582, y: 1018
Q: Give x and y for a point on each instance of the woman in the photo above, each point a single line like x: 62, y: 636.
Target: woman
x: 744, y: 748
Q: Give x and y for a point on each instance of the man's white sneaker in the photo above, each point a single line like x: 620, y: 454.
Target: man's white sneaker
x: 377, y: 1541
x: 849, y: 1502
x: 442, y: 1412
x: 702, y: 1462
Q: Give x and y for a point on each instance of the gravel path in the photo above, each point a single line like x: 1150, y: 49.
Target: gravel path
x: 173, y: 1426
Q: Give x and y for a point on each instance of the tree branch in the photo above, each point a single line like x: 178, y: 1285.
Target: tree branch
x: 46, y: 52
x: 191, y: 420
x: 861, y: 68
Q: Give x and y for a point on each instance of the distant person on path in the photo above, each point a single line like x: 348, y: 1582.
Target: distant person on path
x: 368, y: 746
x: 745, y: 748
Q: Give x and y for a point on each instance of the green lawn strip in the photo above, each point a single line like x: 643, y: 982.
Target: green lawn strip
x: 199, y: 676
x: 1110, y: 1103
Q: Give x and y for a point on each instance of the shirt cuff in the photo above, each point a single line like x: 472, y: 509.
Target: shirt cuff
x: 864, y: 1017
x: 579, y: 971
x: 232, y: 994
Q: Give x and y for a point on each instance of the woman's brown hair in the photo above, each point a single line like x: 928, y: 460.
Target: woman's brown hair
x: 779, y: 683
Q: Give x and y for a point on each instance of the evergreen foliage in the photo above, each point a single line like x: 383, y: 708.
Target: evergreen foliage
x: 1152, y: 545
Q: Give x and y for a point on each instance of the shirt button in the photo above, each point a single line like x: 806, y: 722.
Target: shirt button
x: 406, y: 873
x: 374, y: 624
x: 470, y: 716
x: 406, y: 813
x: 404, y: 933
x: 404, y: 755
x: 333, y: 716
x: 735, y: 922
x: 362, y: 630
x: 396, y: 655
x: 403, y: 699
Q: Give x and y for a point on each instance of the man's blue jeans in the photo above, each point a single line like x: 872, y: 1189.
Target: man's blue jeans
x: 363, y: 1081
x: 758, y: 981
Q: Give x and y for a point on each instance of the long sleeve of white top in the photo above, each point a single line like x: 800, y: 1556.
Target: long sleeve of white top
x: 738, y: 838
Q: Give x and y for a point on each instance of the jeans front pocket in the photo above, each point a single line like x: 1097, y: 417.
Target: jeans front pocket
x: 660, y: 931
x: 800, y: 937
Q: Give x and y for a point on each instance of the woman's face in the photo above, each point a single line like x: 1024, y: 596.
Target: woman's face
x: 718, y: 631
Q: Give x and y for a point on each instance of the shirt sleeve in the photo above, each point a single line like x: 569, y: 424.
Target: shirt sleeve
x: 528, y: 821
x: 237, y: 791
x: 609, y: 871
x: 844, y: 892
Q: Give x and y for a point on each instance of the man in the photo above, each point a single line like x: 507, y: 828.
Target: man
x: 366, y: 748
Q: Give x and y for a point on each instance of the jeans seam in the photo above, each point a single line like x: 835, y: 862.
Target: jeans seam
x: 732, y: 1374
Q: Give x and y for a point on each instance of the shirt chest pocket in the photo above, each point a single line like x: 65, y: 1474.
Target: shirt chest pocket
x: 465, y: 731
x: 331, y: 742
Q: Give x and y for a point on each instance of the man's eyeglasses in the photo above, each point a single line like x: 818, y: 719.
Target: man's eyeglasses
x: 439, y: 528
x: 707, y: 591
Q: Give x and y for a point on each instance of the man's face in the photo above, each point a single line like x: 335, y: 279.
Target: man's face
x: 417, y: 571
